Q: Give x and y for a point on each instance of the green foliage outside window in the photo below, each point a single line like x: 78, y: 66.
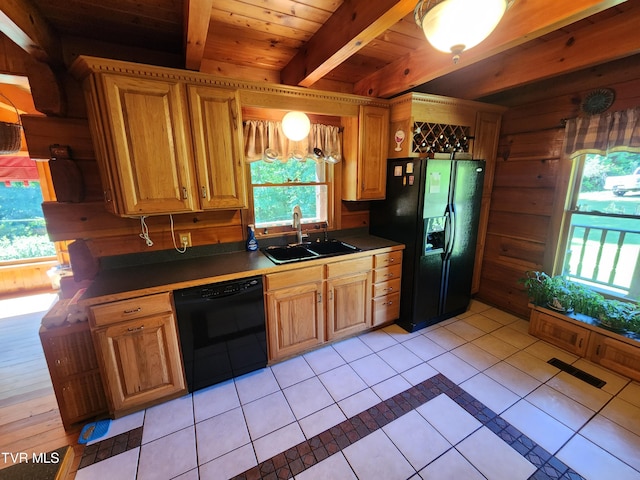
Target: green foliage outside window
x: 278, y: 187
x: 22, y: 228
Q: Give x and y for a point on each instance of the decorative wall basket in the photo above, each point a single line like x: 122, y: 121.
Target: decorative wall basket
x: 10, y: 134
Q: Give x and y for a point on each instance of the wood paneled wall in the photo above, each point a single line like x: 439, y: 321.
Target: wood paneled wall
x: 530, y: 180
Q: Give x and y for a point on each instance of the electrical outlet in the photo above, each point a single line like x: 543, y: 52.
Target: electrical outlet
x: 185, y: 239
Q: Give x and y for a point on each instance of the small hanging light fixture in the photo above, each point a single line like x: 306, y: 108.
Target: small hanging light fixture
x: 458, y: 25
x: 296, y: 125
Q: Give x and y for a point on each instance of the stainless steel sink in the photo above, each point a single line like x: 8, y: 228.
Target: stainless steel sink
x: 307, y: 251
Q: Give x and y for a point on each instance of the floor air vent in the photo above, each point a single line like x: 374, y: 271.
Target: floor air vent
x: 576, y: 372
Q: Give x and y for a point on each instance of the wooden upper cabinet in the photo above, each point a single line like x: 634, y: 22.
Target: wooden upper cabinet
x: 365, y: 154
x: 218, y: 144
x: 150, y: 146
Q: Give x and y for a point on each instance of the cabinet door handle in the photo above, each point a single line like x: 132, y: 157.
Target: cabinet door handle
x: 330, y: 294
x: 133, y: 310
x: 184, y: 193
x: 320, y: 297
x: 598, y: 350
x: 580, y: 343
x: 204, y: 192
x: 135, y: 329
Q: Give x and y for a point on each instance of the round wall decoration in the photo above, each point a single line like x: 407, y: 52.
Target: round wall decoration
x: 598, y: 101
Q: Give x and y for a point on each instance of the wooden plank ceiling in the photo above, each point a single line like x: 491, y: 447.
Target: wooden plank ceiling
x: 361, y: 46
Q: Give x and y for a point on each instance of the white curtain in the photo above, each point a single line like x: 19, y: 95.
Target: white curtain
x: 265, y: 140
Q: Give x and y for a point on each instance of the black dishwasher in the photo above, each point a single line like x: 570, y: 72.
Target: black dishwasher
x: 222, y: 330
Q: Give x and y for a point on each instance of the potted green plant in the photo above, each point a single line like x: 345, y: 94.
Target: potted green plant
x: 565, y: 296
x: 547, y: 291
x: 537, y: 285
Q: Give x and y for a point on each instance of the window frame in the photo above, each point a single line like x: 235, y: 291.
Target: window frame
x: 280, y: 230
x: 566, y: 210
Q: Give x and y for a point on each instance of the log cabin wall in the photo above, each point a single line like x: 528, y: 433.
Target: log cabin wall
x: 530, y: 179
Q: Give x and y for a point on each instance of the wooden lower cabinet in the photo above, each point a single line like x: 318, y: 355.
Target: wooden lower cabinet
x: 74, y: 371
x: 140, y: 357
x: 295, y: 311
x: 613, y: 351
x: 348, y: 297
x: 311, y: 305
x: 615, y: 355
x: 570, y: 337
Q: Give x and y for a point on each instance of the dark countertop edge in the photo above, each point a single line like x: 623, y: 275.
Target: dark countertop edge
x: 141, y: 280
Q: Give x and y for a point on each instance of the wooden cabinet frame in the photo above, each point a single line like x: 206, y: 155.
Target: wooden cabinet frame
x: 137, y: 345
x: 613, y: 351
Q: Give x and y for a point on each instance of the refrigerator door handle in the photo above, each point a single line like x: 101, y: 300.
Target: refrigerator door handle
x: 450, y: 231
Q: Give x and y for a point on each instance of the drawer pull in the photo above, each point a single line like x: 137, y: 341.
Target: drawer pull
x: 390, y: 289
x: 391, y: 260
x: 135, y: 329
x: 133, y: 310
x: 387, y: 303
x: 388, y: 274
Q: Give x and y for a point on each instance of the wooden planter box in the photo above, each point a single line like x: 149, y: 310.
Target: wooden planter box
x: 580, y: 335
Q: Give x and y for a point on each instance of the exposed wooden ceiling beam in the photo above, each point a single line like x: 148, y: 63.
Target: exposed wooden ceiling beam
x: 596, y: 43
x: 197, y: 15
x: 353, y: 25
x: 23, y: 23
x: 523, y: 22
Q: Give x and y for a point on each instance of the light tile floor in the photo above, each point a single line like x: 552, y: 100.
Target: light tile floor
x: 227, y: 429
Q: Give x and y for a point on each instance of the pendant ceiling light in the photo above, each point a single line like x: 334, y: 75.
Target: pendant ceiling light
x: 296, y: 126
x: 457, y: 25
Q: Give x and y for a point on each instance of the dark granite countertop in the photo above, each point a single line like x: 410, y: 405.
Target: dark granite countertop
x: 133, y: 281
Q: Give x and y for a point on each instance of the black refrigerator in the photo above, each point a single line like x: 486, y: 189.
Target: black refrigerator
x: 433, y: 207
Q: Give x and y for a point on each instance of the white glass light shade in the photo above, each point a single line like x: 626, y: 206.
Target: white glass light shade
x: 457, y: 25
x: 296, y: 126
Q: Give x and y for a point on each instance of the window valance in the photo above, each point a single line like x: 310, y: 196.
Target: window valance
x: 265, y: 140
x: 603, y: 133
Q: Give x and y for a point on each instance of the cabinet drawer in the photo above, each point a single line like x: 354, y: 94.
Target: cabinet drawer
x: 347, y: 267
x: 387, y: 259
x: 274, y: 281
x: 386, y: 288
x: 130, y: 309
x: 572, y: 338
x: 387, y: 273
x: 386, y: 308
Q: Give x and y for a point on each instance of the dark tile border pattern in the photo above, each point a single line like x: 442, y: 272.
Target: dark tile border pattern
x: 314, y: 450
x: 111, y: 447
